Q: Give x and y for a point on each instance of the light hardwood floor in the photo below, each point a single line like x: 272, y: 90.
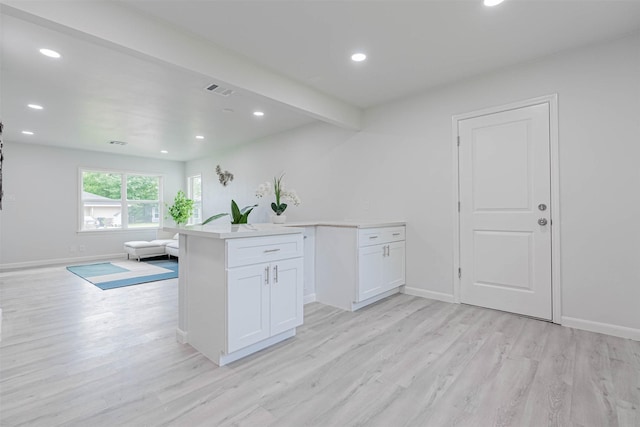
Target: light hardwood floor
x: 74, y: 355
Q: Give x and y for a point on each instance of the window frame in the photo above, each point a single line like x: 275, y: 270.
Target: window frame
x: 197, y: 204
x: 124, y: 202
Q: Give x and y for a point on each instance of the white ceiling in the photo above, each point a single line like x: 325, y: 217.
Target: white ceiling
x: 411, y: 45
x: 104, y: 90
x: 95, y: 94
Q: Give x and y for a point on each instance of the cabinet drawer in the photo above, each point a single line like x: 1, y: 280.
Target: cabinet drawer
x: 256, y: 250
x: 376, y: 236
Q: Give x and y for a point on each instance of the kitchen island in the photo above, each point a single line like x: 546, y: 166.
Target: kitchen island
x: 240, y: 290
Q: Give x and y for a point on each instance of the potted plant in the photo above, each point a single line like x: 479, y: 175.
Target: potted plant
x: 182, y: 208
x: 281, y: 194
x: 238, y: 216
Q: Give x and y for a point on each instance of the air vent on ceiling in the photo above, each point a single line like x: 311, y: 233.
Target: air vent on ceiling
x: 222, y: 91
x: 117, y: 143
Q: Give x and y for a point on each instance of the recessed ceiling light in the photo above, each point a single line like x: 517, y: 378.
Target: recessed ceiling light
x: 50, y: 53
x: 164, y: 151
x: 358, y: 57
x: 27, y: 132
x: 35, y: 106
x: 492, y: 2
x: 258, y: 113
x: 199, y: 137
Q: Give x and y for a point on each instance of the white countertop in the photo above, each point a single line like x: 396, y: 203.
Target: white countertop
x: 225, y: 231
x: 348, y: 223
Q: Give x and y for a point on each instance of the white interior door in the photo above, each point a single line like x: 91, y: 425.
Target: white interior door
x: 505, y: 227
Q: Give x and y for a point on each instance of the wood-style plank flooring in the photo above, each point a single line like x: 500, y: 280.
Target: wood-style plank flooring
x: 74, y: 355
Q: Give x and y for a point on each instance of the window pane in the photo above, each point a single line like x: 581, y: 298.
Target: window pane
x: 196, y: 218
x: 140, y: 187
x: 196, y: 188
x: 100, y: 216
x: 89, y: 222
x: 101, y: 185
x: 144, y: 215
x: 195, y: 193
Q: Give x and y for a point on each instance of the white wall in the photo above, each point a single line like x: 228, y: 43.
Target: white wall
x: 400, y: 167
x: 39, y: 220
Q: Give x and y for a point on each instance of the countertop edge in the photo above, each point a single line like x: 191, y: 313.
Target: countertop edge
x: 346, y: 224
x: 247, y: 231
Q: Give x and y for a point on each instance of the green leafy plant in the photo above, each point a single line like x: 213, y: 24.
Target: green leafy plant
x: 182, y: 208
x: 278, y: 206
x: 238, y: 216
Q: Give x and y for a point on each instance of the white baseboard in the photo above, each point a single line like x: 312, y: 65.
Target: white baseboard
x: 571, y: 322
x: 309, y: 298
x: 602, y: 328
x: 440, y: 296
x: 181, y: 336
x: 58, y: 261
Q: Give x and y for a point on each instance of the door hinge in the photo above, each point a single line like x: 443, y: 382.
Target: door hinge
x: 458, y: 205
x: 458, y: 140
x: 459, y: 273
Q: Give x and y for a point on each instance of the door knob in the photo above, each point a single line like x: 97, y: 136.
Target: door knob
x: 542, y: 221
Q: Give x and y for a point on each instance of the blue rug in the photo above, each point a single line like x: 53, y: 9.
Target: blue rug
x: 111, y: 275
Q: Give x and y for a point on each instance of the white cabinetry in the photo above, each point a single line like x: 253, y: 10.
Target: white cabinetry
x: 358, y: 266
x: 243, y: 294
x: 263, y: 300
x: 309, y: 264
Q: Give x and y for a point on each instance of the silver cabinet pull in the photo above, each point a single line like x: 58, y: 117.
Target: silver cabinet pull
x: 373, y: 237
x: 271, y: 250
x: 266, y: 275
x: 542, y: 221
x: 396, y: 234
x: 275, y: 274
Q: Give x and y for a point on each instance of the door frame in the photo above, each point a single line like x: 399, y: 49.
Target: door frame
x: 552, y: 100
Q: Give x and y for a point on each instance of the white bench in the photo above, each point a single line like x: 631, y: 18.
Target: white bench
x: 145, y: 249
x: 172, y: 249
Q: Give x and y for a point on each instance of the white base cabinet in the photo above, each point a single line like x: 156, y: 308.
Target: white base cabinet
x: 243, y: 294
x: 380, y: 268
x: 358, y: 266
x: 263, y: 300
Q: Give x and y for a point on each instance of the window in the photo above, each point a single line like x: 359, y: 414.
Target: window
x: 116, y: 200
x: 194, y: 191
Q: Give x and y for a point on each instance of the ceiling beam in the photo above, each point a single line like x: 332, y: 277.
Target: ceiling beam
x: 120, y: 26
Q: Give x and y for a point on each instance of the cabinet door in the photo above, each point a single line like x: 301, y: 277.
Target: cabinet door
x: 394, y: 266
x: 286, y: 295
x: 247, y: 306
x: 370, y: 270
